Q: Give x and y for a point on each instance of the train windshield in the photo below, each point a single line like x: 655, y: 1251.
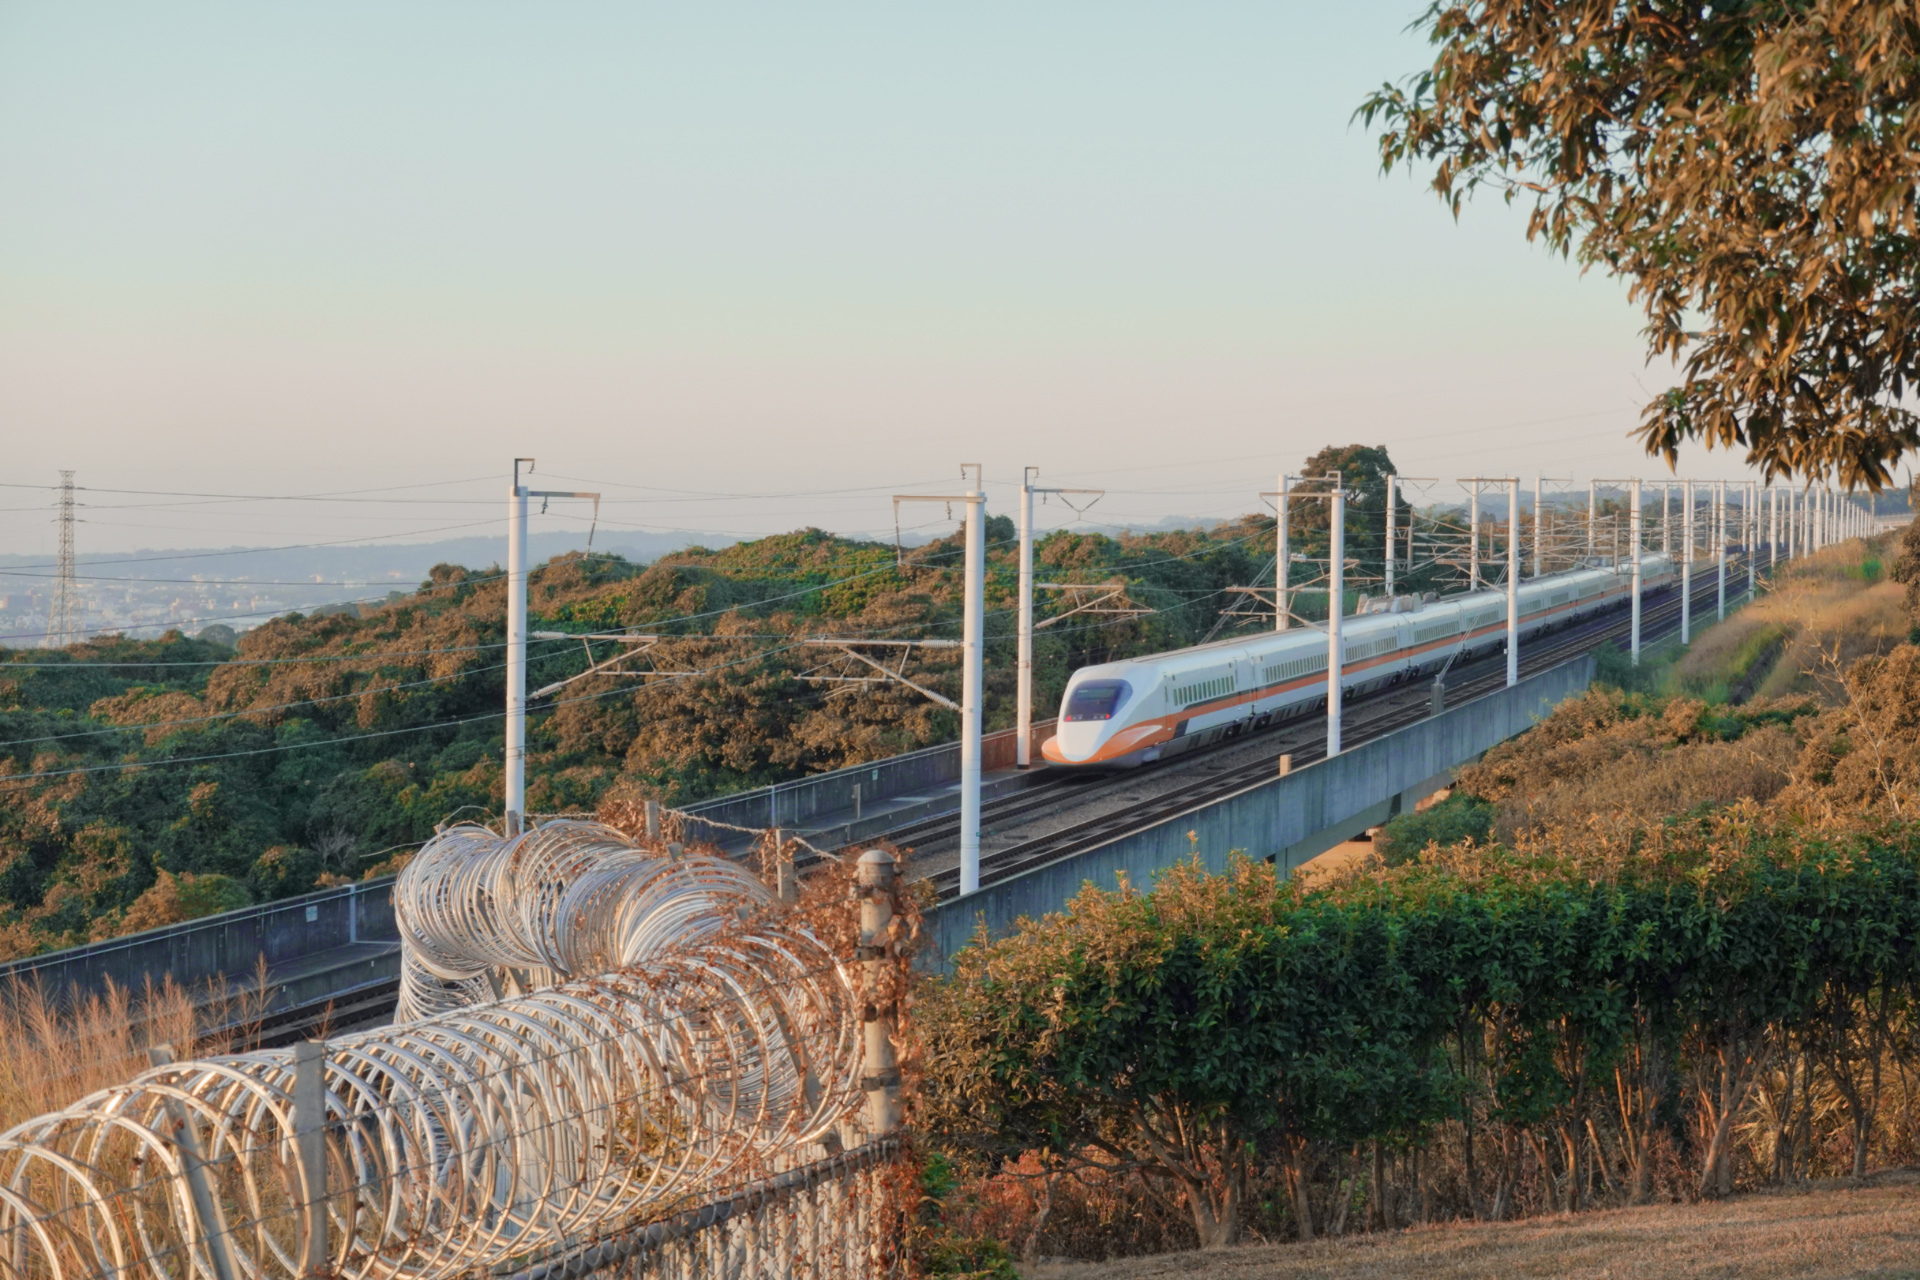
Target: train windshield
x: 1096, y: 700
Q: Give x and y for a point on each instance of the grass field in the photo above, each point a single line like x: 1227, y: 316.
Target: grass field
x: 1870, y: 1231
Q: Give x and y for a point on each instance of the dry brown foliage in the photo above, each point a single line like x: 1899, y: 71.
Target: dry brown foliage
x: 1619, y: 761
x: 1864, y: 759
x: 1637, y: 787
x: 1040, y: 1205
x: 1817, y: 611
x: 828, y: 907
x: 158, y: 906
x: 1830, y: 631
x: 143, y: 706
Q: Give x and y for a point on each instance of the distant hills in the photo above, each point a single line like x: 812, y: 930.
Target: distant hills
x: 146, y: 592
x: 408, y: 561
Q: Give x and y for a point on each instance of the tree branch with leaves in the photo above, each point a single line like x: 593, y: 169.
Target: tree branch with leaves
x: 1748, y: 167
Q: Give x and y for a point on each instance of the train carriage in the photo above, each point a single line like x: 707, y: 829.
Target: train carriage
x: 1119, y: 714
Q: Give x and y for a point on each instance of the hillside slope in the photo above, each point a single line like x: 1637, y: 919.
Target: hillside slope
x: 328, y: 741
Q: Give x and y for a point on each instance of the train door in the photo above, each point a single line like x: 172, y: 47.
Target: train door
x: 1246, y: 685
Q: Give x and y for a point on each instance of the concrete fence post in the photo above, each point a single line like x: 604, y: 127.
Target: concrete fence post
x: 786, y: 881
x: 310, y: 1138
x: 193, y: 1165
x: 880, y: 1077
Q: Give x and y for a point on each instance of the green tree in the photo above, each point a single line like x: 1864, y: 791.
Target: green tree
x: 1750, y: 168
x: 1363, y: 471
x: 341, y: 735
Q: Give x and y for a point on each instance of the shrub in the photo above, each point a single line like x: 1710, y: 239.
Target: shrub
x: 1460, y: 817
x: 967, y: 1258
x: 283, y: 871
x: 1624, y: 759
x: 1615, y: 668
x: 1516, y: 1002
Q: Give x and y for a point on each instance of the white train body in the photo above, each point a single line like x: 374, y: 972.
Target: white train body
x: 1134, y: 712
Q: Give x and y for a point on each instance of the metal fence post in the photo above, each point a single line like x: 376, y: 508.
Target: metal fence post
x: 881, y: 1076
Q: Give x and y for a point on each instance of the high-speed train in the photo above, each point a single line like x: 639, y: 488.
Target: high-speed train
x: 1118, y: 714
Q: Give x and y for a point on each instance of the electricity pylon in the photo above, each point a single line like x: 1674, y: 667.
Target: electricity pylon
x: 64, y: 614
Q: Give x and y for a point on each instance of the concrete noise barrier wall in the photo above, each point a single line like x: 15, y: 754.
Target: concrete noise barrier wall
x: 315, y: 945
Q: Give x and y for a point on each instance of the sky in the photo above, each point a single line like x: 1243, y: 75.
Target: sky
x: 744, y: 268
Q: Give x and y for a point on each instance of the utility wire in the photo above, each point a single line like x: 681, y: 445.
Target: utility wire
x: 205, y: 582
x: 251, y: 711
x: 259, y: 497
x: 117, y: 628
x: 670, y: 677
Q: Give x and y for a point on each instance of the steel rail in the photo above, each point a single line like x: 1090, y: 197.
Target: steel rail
x: 1403, y: 704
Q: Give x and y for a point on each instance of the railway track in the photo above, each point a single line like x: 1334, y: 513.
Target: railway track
x: 1380, y: 714
x: 342, y: 1011
x: 1468, y: 680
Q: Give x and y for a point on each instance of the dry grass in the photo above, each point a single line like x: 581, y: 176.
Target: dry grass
x: 1858, y: 1231
x: 1829, y: 609
x: 1613, y: 762
x: 56, y: 1051
x: 1830, y: 630
x: 1647, y: 778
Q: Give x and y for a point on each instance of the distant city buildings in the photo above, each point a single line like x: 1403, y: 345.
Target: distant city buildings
x: 150, y: 609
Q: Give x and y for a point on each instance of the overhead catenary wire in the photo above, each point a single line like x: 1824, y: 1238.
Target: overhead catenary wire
x: 7, y: 779
x: 118, y: 628
x: 257, y: 551
x: 111, y: 729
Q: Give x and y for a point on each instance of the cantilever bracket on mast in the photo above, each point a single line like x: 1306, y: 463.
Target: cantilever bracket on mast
x: 544, y: 494
x: 1066, y: 499
x: 899, y: 552
x: 1113, y: 589
x: 851, y: 647
x: 595, y: 668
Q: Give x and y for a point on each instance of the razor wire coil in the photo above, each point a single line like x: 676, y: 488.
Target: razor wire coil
x: 719, y: 1047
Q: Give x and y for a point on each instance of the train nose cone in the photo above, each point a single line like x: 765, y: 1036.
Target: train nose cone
x: 1074, y: 742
